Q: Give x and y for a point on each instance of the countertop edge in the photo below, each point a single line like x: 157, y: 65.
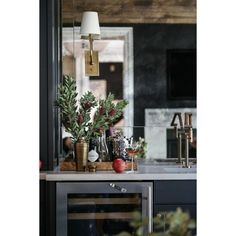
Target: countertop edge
x: 65, y: 176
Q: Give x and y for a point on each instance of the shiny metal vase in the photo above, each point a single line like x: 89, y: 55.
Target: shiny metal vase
x: 81, y: 154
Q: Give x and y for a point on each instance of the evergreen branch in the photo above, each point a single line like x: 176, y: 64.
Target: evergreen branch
x: 77, y: 120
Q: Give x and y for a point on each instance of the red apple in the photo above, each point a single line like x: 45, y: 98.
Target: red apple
x: 119, y: 165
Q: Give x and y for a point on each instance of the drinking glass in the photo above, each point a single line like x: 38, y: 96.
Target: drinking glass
x: 132, y: 151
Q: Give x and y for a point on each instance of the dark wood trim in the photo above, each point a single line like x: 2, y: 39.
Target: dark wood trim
x: 136, y: 11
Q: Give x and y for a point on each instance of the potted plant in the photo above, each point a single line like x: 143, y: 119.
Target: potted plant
x: 76, y: 116
x: 173, y: 223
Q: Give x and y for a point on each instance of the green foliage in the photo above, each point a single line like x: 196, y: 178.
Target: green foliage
x: 68, y: 105
x: 179, y: 223
x: 76, y: 114
x: 176, y: 223
x: 107, y: 114
x: 141, y: 148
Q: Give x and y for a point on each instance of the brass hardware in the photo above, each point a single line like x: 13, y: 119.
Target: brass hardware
x: 179, y: 147
x: 81, y: 154
x: 187, y: 119
x: 92, y: 167
x: 91, y: 63
x: 178, y: 134
x: 186, y: 161
x: 91, y: 49
x: 191, y: 134
x: 183, y: 132
x: 91, y: 60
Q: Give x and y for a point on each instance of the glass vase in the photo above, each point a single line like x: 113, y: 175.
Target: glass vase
x: 102, y: 148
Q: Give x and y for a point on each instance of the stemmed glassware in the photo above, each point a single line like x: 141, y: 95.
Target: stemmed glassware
x: 132, y: 151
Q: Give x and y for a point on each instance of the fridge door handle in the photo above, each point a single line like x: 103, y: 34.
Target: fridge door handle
x: 150, y: 209
x: 121, y: 189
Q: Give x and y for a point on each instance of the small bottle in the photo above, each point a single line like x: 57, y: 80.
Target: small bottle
x: 93, y: 155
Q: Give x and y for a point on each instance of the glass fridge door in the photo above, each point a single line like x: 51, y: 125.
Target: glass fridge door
x: 99, y: 209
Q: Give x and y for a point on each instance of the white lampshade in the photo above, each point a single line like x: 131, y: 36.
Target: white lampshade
x: 90, y: 24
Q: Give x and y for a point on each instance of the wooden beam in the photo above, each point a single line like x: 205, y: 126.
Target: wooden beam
x: 133, y: 11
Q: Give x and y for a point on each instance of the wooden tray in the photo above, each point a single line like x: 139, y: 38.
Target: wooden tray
x: 100, y: 166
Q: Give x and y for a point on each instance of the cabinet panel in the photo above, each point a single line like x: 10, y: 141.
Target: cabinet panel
x: 175, y: 191
x: 42, y: 188
x: 42, y: 206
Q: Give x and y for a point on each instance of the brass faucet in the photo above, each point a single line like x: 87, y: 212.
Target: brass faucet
x: 184, y: 131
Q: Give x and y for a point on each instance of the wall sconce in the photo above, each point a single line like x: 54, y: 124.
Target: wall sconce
x: 90, y: 30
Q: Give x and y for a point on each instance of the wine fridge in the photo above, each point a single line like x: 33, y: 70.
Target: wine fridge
x: 101, y: 208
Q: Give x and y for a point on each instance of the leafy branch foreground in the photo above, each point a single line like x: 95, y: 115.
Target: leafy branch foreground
x: 76, y: 113
x: 176, y: 223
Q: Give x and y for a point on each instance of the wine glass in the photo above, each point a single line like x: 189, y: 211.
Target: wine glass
x: 132, y: 151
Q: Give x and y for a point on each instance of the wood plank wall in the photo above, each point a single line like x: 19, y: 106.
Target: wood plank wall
x: 132, y: 11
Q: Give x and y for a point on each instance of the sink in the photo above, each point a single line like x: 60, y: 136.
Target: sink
x: 165, y: 169
x: 172, y: 161
x: 150, y: 169
x: 179, y: 169
x: 162, y: 162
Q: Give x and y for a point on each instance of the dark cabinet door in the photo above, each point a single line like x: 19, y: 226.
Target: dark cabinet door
x: 42, y: 205
x: 171, y: 194
x: 175, y: 191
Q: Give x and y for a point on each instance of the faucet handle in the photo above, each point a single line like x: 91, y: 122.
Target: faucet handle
x: 176, y: 131
x: 188, y: 119
x: 190, y: 134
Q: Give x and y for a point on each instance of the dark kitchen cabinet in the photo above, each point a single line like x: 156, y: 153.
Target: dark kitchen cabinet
x: 80, y: 202
x: 42, y: 207
x: 171, y: 194
x: 167, y: 196
x: 47, y: 208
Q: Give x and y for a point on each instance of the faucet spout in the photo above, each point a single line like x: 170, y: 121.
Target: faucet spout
x: 186, y: 132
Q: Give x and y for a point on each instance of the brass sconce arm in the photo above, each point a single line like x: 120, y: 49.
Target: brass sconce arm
x: 91, y: 49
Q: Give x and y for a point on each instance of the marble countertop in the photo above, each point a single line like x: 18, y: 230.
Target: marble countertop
x: 146, y: 171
